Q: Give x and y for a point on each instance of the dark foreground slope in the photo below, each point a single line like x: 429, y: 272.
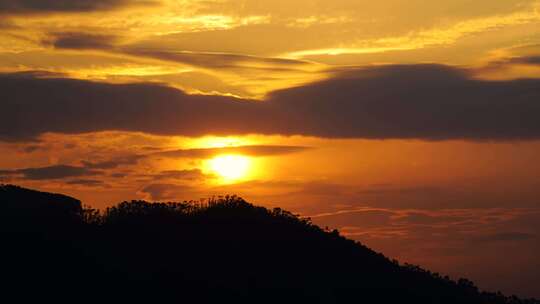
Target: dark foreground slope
x: 225, y: 251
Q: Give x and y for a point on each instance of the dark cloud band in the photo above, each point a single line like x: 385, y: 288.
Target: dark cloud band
x: 48, y: 6
x: 432, y: 102
x: 79, y: 41
x: 51, y: 172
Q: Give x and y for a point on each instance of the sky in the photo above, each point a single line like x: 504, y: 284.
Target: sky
x: 409, y: 125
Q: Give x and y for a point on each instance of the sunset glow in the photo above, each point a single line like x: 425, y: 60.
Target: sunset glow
x: 411, y: 126
x: 230, y: 167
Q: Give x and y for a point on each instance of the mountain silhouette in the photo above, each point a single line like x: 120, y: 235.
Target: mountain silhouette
x: 223, y: 250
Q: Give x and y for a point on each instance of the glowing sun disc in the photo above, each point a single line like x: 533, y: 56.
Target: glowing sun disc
x: 230, y: 167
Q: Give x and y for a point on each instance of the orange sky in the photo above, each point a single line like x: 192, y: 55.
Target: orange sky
x: 409, y: 125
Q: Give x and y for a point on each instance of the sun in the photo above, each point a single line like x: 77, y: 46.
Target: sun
x: 230, y: 167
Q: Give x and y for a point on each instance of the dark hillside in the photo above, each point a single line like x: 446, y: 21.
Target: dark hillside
x: 223, y: 251
x: 16, y: 199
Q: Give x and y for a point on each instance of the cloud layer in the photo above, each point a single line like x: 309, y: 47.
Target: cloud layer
x: 79, y: 40
x: 43, y: 6
x: 51, y: 172
x: 253, y: 150
x: 432, y: 102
